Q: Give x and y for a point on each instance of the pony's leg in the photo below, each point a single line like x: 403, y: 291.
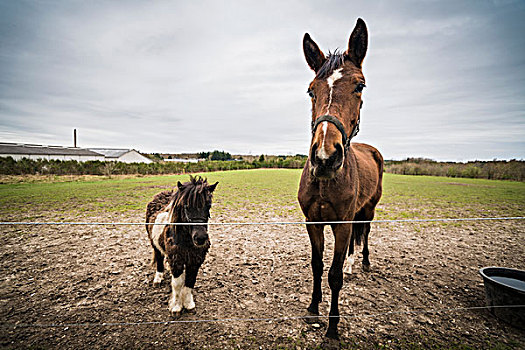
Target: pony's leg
x: 366, y: 261
x: 175, y: 303
x: 187, y: 290
x: 342, y: 234
x: 315, y: 232
x: 350, y: 261
x: 159, y: 262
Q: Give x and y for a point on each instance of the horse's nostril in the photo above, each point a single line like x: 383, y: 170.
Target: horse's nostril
x: 336, y: 158
x: 313, y: 154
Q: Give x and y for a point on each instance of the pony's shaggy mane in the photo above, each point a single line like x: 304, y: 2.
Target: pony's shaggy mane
x: 192, y: 193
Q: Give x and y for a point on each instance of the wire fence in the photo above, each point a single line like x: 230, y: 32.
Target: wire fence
x: 262, y: 319
x: 256, y: 319
x: 270, y: 222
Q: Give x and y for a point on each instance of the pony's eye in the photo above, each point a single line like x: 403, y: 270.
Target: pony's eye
x: 359, y: 87
x: 310, y: 93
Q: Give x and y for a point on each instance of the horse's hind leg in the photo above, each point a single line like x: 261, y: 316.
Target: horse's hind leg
x: 158, y: 259
x: 366, y: 262
x: 360, y: 234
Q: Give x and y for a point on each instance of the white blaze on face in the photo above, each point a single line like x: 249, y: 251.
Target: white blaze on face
x: 322, y: 151
x: 336, y: 75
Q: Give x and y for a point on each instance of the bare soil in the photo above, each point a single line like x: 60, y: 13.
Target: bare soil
x: 64, y: 286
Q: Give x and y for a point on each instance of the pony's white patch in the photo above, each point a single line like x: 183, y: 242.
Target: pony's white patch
x: 158, y: 277
x: 175, y: 304
x: 348, y: 266
x: 187, y: 298
x: 156, y: 232
x: 322, y: 151
x: 336, y: 75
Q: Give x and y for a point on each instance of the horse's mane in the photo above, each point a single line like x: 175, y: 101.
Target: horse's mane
x: 333, y: 62
x: 191, y: 193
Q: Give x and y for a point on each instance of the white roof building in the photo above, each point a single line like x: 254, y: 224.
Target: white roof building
x: 18, y: 151
x: 122, y: 155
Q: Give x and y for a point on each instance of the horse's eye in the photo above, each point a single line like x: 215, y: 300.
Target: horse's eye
x: 310, y: 93
x: 359, y: 87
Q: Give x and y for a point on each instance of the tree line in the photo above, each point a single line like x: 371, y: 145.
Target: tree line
x: 492, y: 170
x: 496, y: 170
x: 25, y: 166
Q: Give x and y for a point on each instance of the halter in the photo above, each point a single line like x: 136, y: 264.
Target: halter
x: 331, y: 119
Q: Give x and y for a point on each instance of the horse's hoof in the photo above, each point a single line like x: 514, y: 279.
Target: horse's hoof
x: 313, y: 309
x: 313, y: 318
x: 366, y: 267
x: 332, y: 334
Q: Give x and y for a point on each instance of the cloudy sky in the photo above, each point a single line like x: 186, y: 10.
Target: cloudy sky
x: 445, y: 79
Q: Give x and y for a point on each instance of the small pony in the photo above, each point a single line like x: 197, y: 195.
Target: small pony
x: 185, y: 246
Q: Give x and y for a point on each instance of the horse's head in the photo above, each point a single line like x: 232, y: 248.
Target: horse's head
x: 336, y: 100
x: 194, y: 204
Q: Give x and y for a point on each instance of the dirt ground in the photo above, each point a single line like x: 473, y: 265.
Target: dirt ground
x: 63, y: 286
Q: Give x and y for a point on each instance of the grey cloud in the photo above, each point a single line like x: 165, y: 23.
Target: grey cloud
x: 444, y: 78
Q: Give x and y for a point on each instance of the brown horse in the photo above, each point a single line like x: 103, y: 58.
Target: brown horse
x: 340, y: 181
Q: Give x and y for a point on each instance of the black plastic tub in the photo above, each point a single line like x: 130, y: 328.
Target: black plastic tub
x: 504, y: 287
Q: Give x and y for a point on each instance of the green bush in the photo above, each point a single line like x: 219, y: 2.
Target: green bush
x: 24, y: 166
x: 496, y: 169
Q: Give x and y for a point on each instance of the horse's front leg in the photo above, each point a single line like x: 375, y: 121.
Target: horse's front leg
x: 315, y: 232
x: 177, y: 283
x: 187, y: 290
x: 342, y: 234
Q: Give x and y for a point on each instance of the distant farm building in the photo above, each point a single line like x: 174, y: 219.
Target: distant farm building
x: 30, y: 151
x: 122, y: 155
x: 18, y: 151
x: 182, y: 160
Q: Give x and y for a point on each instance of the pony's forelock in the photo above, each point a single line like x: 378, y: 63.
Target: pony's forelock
x: 192, y: 193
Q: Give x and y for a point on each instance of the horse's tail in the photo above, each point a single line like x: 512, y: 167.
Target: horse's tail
x: 358, y: 231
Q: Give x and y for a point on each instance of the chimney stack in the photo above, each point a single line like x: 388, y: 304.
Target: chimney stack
x: 75, y: 138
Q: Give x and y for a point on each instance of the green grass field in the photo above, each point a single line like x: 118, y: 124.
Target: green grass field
x: 270, y: 193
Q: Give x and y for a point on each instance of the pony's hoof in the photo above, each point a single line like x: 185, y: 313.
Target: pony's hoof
x: 191, y: 311
x: 157, y: 279
x: 176, y: 314
x: 366, y: 267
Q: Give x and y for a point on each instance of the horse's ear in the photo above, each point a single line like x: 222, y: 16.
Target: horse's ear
x: 211, y: 188
x: 358, y: 43
x: 313, y: 54
x: 179, y: 185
